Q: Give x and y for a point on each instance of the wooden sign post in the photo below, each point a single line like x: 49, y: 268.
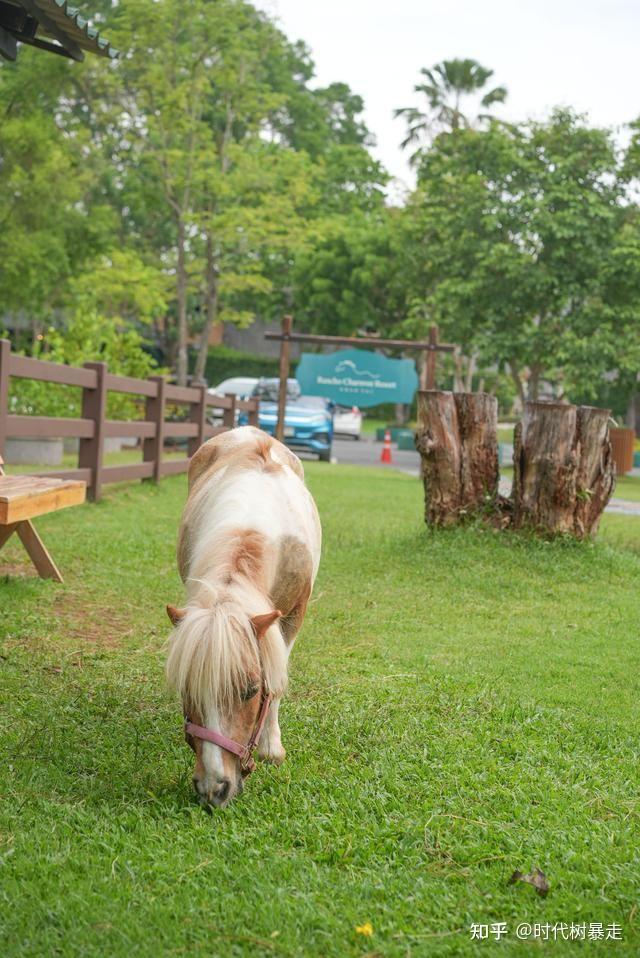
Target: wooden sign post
x: 428, y: 371
x: 287, y: 323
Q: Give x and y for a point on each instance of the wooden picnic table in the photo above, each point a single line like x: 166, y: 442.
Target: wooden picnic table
x: 24, y: 497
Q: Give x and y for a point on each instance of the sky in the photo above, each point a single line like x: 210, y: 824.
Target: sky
x: 581, y: 53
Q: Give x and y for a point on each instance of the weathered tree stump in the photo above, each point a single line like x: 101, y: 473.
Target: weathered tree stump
x: 457, y: 441
x: 563, y: 470
x: 479, y: 469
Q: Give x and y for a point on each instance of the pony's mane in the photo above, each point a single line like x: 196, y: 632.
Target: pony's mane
x: 214, y: 654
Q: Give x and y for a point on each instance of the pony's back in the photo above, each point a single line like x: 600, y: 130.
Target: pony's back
x: 245, y: 481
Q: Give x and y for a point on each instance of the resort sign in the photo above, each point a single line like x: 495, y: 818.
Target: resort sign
x: 357, y: 377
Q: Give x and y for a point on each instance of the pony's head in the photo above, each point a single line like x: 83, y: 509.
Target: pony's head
x: 223, y: 661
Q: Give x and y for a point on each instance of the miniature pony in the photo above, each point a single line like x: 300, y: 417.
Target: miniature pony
x: 248, y: 553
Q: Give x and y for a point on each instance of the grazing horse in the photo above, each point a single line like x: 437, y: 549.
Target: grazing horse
x: 248, y: 553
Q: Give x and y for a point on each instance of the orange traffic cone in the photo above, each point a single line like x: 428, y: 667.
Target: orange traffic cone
x: 385, y: 455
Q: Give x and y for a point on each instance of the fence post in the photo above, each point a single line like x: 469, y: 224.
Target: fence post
x: 94, y: 402
x: 5, y: 359
x: 154, y: 412
x: 229, y: 415
x: 198, y: 414
x: 253, y: 416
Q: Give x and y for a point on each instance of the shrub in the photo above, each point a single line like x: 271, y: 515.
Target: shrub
x: 87, y: 337
x: 224, y: 362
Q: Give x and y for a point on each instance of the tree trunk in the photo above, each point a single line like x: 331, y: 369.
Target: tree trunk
x: 456, y: 439
x: 471, y: 368
x: 211, y: 312
x: 545, y: 464
x: 563, y: 472
x: 438, y: 442
x: 480, y: 473
x: 400, y: 413
x: 517, y: 381
x: 464, y: 368
x: 533, y: 383
x: 596, y: 474
x: 632, y: 416
x: 183, y: 333
x: 457, y: 371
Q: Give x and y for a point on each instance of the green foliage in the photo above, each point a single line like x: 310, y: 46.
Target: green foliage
x: 348, y: 280
x: 176, y: 188
x: 224, y: 363
x: 514, y: 229
x: 120, y: 284
x: 45, y: 232
x: 88, y: 337
x: 443, y: 87
x: 455, y: 712
x: 202, y: 179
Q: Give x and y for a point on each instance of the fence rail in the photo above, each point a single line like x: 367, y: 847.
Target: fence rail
x: 92, y: 427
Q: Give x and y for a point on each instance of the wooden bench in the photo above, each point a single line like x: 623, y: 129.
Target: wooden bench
x: 22, y: 498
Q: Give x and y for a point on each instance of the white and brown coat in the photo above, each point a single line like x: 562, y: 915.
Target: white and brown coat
x: 248, y: 553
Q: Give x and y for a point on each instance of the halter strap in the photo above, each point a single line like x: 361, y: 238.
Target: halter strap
x: 244, y: 752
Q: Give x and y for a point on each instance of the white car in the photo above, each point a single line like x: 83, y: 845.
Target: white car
x: 240, y: 386
x: 347, y: 421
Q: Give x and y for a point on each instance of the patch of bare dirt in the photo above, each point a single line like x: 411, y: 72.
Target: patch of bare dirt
x: 17, y: 570
x: 81, y: 619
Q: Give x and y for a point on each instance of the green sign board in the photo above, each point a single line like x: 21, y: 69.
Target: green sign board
x: 357, y: 377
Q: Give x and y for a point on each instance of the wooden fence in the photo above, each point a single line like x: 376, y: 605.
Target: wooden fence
x: 92, y: 428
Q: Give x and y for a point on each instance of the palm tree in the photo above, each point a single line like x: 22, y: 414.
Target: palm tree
x: 445, y: 85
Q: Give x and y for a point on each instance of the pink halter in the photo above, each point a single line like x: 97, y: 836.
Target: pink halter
x: 244, y: 752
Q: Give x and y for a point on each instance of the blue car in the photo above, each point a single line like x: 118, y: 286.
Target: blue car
x: 308, y: 421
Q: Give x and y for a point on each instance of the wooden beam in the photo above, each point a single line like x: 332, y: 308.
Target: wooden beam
x: 8, y: 45
x: 285, y: 338
x: 94, y: 404
x: 46, y: 45
x: 154, y: 412
x: 47, y: 569
x: 53, y: 30
x: 6, y: 532
x: 371, y: 343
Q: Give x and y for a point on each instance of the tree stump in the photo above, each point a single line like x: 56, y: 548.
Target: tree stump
x: 457, y: 441
x: 479, y: 469
x: 596, y: 469
x: 563, y: 469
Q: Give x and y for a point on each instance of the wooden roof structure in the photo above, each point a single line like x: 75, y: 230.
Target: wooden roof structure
x: 52, y: 25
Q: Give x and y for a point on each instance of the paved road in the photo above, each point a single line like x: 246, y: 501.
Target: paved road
x: 366, y: 452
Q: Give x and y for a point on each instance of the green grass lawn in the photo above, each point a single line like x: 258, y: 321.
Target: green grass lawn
x: 369, y: 426
x: 462, y: 704
x: 628, y: 487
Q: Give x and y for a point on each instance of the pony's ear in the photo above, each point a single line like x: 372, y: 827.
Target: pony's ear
x: 176, y: 615
x: 262, y: 622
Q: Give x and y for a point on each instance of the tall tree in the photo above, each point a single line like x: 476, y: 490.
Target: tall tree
x: 190, y: 177
x: 48, y: 227
x: 194, y: 102
x: 507, y: 236
x: 450, y: 88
